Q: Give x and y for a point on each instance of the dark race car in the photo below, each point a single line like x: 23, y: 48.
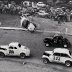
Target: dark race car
x: 57, y: 41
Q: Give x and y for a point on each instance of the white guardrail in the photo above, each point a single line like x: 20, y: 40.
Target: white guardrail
x: 12, y: 28
x: 23, y: 29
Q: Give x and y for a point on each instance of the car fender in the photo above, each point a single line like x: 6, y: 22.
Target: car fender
x: 3, y: 52
x: 44, y: 56
x: 68, y: 60
x: 23, y: 52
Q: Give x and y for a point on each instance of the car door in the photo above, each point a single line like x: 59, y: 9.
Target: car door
x: 13, y: 51
x: 64, y: 57
x: 16, y: 51
x: 56, y: 57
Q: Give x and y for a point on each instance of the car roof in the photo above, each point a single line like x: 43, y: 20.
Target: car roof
x: 14, y: 44
x: 61, y: 50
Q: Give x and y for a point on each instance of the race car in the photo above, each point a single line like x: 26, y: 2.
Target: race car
x: 57, y: 41
x: 25, y: 23
x: 14, y: 49
x: 58, y: 55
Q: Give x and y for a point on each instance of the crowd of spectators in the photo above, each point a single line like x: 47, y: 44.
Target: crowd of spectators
x: 9, y: 7
x: 55, y: 13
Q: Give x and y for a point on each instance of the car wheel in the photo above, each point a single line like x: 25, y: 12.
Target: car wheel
x: 65, y: 46
x: 22, y: 55
x: 45, y: 61
x: 2, y: 54
x: 47, y: 45
x: 68, y: 63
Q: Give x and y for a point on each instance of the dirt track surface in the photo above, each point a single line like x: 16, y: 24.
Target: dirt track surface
x: 34, y: 63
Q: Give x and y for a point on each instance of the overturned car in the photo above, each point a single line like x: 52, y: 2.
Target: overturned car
x: 57, y: 41
x: 25, y: 23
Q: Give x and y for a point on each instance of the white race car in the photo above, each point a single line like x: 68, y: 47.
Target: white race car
x: 25, y: 23
x: 58, y: 55
x: 14, y: 49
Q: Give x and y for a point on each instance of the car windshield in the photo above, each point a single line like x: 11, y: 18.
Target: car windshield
x: 10, y: 47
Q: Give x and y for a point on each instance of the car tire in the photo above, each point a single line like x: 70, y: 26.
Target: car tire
x: 68, y: 63
x: 65, y: 46
x: 22, y: 55
x: 45, y: 61
x: 47, y: 45
x: 2, y: 55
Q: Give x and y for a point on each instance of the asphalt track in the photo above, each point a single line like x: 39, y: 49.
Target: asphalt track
x: 35, y: 42
x: 24, y: 29
x: 10, y: 31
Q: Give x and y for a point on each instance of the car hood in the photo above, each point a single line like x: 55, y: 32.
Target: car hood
x: 48, y: 52
x: 4, y: 46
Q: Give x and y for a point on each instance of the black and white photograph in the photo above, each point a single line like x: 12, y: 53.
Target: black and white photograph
x: 35, y: 35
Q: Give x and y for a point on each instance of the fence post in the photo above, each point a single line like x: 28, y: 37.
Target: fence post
x: 66, y: 30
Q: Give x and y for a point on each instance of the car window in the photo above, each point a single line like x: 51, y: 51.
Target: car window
x: 55, y: 39
x: 3, y: 48
x: 14, y: 47
x: 56, y: 54
x: 58, y: 37
x: 19, y: 45
x: 64, y: 55
x: 46, y: 54
x: 10, y: 47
